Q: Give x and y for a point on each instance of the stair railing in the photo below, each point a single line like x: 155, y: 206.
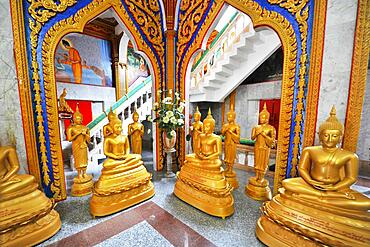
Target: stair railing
x: 225, y: 39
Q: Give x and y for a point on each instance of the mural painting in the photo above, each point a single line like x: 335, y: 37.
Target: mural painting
x: 137, y: 66
x: 83, y: 59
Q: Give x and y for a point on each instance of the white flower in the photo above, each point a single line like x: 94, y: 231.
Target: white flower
x: 182, y: 104
x: 169, y: 113
x: 166, y: 119
x: 173, y: 133
x: 167, y: 99
x: 181, y: 108
x: 180, y: 121
x: 149, y: 118
x: 173, y: 120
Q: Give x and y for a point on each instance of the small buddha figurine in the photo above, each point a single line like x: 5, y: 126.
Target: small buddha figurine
x: 79, y: 135
x: 124, y: 180
x: 320, y: 205
x: 63, y: 105
x: 196, y: 128
x: 136, y: 132
x: 231, y: 131
x: 108, y: 128
x: 264, y: 134
x: 201, y: 181
x: 27, y: 216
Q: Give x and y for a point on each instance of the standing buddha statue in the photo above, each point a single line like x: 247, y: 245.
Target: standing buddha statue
x: 124, y: 180
x: 264, y: 134
x: 27, y: 216
x: 79, y: 135
x: 136, y: 132
x: 231, y: 131
x: 196, y: 128
x: 201, y: 181
x: 319, y: 208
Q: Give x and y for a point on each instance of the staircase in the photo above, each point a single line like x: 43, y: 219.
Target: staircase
x: 231, y: 59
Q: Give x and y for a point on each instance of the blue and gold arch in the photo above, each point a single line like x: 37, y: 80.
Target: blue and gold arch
x: 38, y: 26
x: 294, y: 23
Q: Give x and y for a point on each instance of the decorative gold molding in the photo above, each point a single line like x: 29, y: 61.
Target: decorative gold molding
x: 316, y: 57
x: 360, y: 59
x: 24, y: 87
x: 262, y: 17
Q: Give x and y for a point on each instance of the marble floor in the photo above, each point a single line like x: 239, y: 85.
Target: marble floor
x: 164, y: 220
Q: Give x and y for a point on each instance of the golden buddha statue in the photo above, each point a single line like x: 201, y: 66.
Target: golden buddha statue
x: 27, y: 216
x: 231, y: 131
x: 124, y: 180
x: 136, y: 132
x: 63, y: 105
x: 264, y: 134
x: 196, y: 128
x: 319, y: 208
x: 108, y: 128
x: 201, y: 181
x: 79, y: 135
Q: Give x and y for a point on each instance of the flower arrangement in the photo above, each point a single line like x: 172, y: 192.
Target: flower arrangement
x: 169, y: 112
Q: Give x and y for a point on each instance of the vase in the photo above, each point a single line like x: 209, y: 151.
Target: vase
x: 169, y: 143
x: 169, y: 148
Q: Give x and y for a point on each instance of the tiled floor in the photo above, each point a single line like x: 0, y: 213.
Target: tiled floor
x: 164, y: 220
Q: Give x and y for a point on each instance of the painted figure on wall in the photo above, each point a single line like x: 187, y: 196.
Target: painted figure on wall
x: 136, y: 65
x: 75, y: 60
x: 136, y: 132
x: 83, y: 59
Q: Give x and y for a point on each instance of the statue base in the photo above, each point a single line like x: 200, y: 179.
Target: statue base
x: 232, y: 179
x: 259, y: 191
x: 82, y: 187
x: 293, y: 221
x: 102, y: 205
x: 33, y: 232
x: 221, y: 205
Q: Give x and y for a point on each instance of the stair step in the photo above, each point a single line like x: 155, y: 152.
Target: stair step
x: 224, y: 72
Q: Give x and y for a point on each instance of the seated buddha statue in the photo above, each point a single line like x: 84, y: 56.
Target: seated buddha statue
x: 124, y: 180
x: 320, y: 205
x: 27, y: 216
x: 201, y: 181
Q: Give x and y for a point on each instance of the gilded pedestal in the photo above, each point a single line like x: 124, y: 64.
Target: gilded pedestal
x: 292, y: 221
x: 259, y: 191
x: 232, y: 179
x: 82, y: 186
x: 115, y: 191
x: 27, y: 219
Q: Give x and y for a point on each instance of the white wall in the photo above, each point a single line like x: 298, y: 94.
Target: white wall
x: 10, y: 112
x: 107, y: 95
x: 337, y: 58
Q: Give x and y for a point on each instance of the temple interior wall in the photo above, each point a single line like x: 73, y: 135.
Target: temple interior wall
x: 11, y: 127
x: 363, y: 145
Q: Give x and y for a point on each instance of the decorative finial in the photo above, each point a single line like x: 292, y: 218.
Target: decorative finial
x: 77, y: 112
x: 265, y: 111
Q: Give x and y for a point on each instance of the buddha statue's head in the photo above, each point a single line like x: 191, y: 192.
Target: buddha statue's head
x: 197, y: 115
x: 331, y: 131
x: 77, y: 116
x: 111, y: 115
x: 231, y: 115
x: 209, y: 123
x: 135, y: 116
x: 117, y: 126
x: 264, y: 115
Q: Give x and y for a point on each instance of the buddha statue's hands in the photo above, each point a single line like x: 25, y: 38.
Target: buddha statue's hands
x: 325, y: 187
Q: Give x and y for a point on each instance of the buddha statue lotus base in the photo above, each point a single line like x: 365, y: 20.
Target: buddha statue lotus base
x: 204, y: 186
x: 289, y: 220
x: 121, y: 186
x: 258, y: 190
x: 27, y: 219
x: 82, y: 186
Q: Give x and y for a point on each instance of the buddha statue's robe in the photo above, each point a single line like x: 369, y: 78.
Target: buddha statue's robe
x: 27, y: 216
